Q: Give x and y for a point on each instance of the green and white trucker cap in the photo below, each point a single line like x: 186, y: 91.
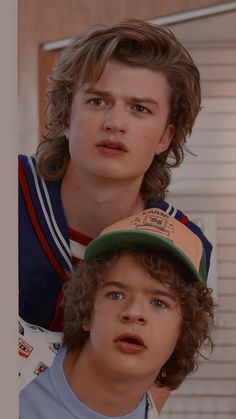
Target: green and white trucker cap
x: 153, y: 228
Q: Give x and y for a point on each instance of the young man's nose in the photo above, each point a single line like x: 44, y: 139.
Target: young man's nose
x: 115, y: 120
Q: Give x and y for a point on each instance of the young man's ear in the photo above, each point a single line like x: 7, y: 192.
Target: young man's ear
x: 66, y: 129
x: 166, y: 139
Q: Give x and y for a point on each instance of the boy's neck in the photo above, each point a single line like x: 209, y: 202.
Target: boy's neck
x: 91, y: 204
x: 104, y: 396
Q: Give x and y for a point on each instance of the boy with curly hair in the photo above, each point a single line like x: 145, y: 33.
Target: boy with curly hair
x: 137, y: 312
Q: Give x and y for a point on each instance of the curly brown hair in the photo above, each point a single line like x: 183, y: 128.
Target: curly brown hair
x: 134, y: 43
x: 194, y: 297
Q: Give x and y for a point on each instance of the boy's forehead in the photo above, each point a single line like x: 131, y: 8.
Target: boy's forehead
x: 150, y: 286
x: 128, y: 262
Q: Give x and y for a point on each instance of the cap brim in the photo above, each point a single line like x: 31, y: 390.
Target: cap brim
x: 122, y: 239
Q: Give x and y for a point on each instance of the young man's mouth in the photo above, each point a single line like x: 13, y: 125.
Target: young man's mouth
x: 130, y: 344
x: 112, y: 147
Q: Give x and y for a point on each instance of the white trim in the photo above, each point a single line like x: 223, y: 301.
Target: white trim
x: 77, y: 249
x: 50, y: 225
x: 195, y: 14
x: 61, y: 43
x: 54, y: 223
x: 165, y: 20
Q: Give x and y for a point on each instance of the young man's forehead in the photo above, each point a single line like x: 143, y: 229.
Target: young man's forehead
x: 98, y: 70
x: 134, y: 83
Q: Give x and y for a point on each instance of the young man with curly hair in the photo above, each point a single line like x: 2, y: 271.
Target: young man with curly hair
x: 122, y: 101
x: 137, y: 312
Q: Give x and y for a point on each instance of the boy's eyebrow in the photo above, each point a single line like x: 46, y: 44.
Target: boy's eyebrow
x: 133, y: 99
x: 163, y: 293
x: 155, y: 291
x: 114, y: 284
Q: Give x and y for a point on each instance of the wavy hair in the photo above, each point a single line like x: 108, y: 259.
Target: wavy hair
x: 195, y: 301
x: 135, y: 43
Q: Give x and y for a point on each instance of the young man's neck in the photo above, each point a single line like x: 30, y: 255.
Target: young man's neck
x: 110, y: 395
x: 92, y: 204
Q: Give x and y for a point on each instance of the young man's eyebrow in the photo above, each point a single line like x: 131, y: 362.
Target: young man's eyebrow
x: 150, y: 100
x: 97, y: 92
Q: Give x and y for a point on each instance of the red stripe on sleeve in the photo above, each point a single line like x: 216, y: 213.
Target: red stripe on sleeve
x: 184, y: 219
x: 57, y: 322
x: 38, y: 230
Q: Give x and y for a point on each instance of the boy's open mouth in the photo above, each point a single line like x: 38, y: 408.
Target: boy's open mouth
x: 129, y: 343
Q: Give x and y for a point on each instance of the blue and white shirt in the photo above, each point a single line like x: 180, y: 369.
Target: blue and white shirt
x: 50, y: 396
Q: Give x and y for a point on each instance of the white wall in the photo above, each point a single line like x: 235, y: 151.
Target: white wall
x: 8, y: 230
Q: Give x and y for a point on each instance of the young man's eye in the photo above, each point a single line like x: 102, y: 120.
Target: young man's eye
x: 97, y: 101
x: 141, y: 109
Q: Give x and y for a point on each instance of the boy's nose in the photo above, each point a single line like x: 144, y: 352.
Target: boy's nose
x: 133, y: 314
x: 115, y: 121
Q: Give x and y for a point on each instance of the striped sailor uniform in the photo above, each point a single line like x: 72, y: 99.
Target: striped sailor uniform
x: 48, y: 247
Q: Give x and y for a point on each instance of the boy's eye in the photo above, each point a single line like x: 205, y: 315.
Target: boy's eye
x: 159, y: 304
x: 114, y: 295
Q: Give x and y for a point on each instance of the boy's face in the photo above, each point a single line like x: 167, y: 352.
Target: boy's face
x: 118, y: 124
x: 135, y: 323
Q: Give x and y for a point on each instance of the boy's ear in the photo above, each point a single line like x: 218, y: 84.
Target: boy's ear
x: 166, y: 139
x: 86, y: 327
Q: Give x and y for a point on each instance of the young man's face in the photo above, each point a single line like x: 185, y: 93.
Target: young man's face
x: 135, y: 324
x: 118, y: 124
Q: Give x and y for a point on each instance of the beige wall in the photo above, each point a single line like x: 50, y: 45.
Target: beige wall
x: 205, y: 188
x: 8, y: 184
x: 42, y: 20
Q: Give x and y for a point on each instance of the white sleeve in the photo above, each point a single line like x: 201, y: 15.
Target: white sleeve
x: 37, y: 349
